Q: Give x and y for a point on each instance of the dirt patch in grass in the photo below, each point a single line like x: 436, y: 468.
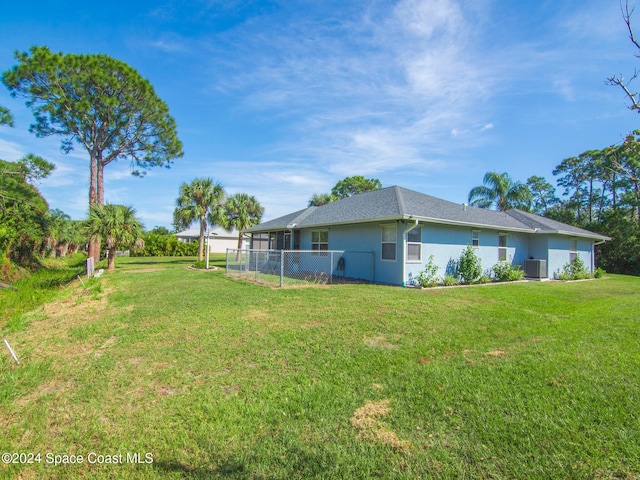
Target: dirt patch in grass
x: 258, y: 315
x: 380, y: 342
x: 73, y: 307
x: 496, y: 353
x: 367, y: 420
x: 166, y: 391
x: 311, y: 325
x: 54, y: 328
x: 100, y: 352
x: 52, y: 387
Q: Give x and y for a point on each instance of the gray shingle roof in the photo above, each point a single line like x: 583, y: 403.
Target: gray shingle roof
x: 396, y: 203
x: 543, y: 224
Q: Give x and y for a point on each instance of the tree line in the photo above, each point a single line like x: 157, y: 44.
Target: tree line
x: 601, y: 193
x: 30, y: 231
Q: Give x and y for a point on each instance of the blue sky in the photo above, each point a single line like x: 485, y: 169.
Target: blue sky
x: 281, y: 99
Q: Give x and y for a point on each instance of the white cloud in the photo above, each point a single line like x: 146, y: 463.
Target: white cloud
x: 170, y: 43
x: 11, y: 151
x: 427, y: 18
x: 66, y: 175
x: 153, y: 217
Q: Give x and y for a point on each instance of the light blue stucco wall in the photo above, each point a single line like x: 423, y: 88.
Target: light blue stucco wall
x: 363, y: 246
x: 559, y: 254
x: 538, y: 247
x: 446, y: 244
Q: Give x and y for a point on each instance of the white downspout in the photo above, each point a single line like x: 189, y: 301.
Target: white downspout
x: 404, y: 252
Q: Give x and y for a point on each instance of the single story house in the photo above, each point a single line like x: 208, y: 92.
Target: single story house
x: 401, y: 229
x: 219, y: 238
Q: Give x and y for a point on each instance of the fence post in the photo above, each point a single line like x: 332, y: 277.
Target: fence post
x: 331, y: 269
x: 90, y: 267
x: 226, y: 261
x: 281, y: 268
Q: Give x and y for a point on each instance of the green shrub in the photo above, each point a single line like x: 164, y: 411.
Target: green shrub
x: 450, y: 281
x: 469, y: 267
x: 200, y: 264
x: 158, y: 245
x: 505, y: 272
x: 599, y: 273
x: 574, y: 270
x: 429, y: 276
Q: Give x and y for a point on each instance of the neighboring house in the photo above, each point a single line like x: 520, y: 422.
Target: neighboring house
x: 219, y: 240
x: 402, y: 228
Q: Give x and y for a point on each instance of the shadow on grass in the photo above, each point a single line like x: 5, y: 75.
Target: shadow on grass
x: 229, y: 468
x: 296, y: 462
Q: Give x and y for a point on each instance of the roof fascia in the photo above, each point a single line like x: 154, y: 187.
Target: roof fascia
x: 467, y: 224
x: 595, y: 236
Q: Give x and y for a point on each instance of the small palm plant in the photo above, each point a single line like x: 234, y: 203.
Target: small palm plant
x: 117, y: 225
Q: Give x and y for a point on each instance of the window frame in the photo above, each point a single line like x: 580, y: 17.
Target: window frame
x: 384, y: 242
x: 573, y: 253
x: 475, y: 238
x: 503, y: 249
x: 319, y: 247
x: 418, y: 243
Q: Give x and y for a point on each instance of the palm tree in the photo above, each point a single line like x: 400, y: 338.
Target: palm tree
x: 73, y: 238
x: 320, y: 199
x: 55, y: 223
x: 242, y: 211
x: 117, y: 225
x: 201, y: 200
x: 501, y: 192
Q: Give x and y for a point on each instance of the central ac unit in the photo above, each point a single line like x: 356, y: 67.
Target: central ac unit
x: 535, y: 268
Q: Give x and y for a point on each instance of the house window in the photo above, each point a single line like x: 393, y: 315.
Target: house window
x: 475, y: 238
x: 573, y: 249
x: 502, y: 247
x: 414, y: 245
x: 320, y: 241
x: 388, y: 242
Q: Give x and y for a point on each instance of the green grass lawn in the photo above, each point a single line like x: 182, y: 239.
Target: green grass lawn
x: 218, y: 378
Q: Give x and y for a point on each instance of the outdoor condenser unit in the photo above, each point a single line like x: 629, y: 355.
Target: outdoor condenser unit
x: 535, y: 268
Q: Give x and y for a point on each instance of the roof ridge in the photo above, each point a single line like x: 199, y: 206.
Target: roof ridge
x: 399, y: 199
x: 519, y: 215
x: 304, y: 214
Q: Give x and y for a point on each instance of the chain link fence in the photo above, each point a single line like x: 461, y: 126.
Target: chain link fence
x: 287, y: 268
